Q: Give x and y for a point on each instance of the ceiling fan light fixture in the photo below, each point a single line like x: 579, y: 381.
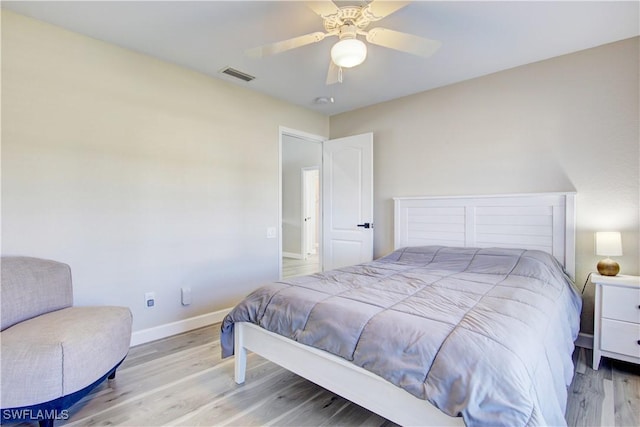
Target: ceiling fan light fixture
x: 348, y: 53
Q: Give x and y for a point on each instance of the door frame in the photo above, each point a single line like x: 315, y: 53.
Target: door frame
x: 282, y: 131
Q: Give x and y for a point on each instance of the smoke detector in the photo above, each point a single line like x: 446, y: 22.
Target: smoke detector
x: 324, y: 100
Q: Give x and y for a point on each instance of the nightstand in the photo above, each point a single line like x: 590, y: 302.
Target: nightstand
x: 616, y: 323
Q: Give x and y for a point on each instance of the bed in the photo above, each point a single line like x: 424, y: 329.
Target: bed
x: 470, y: 320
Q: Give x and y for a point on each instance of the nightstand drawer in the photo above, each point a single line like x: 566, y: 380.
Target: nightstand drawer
x: 620, y: 337
x: 621, y: 304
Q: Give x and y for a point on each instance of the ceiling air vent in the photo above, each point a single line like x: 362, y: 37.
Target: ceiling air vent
x: 237, y: 74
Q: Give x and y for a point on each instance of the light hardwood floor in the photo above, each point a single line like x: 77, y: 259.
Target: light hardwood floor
x: 300, y: 267
x: 181, y: 380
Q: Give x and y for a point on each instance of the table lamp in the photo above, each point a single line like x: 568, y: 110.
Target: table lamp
x: 608, y: 244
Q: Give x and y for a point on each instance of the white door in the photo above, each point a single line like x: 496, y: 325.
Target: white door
x: 347, y: 189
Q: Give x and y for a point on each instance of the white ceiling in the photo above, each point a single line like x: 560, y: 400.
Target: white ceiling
x: 478, y: 38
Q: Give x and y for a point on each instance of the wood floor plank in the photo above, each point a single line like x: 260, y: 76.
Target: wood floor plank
x: 580, y: 362
x: 241, y: 400
x: 607, y: 418
x: 153, y: 350
x: 354, y: 415
x: 135, y: 381
x: 181, y: 398
x: 283, y: 400
x: 292, y: 267
x: 584, y: 405
x: 314, y: 411
x: 626, y: 393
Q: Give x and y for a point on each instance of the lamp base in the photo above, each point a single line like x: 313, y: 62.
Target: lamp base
x: 608, y: 267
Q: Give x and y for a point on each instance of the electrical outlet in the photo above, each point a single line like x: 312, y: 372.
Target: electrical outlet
x: 271, y: 233
x: 150, y: 299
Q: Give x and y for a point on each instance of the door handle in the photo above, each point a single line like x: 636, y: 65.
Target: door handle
x: 365, y: 225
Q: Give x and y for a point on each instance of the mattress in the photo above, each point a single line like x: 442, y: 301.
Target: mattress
x: 486, y: 334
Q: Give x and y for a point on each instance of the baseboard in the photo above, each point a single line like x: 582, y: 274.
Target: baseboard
x: 173, y: 328
x: 292, y: 255
x: 584, y: 340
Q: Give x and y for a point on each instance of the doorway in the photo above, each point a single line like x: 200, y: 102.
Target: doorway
x: 311, y: 211
x: 300, y: 208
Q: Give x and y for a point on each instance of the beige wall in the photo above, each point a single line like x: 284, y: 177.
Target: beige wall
x: 564, y: 124
x: 142, y: 175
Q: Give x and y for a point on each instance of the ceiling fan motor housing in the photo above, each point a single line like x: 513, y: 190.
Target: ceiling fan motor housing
x: 347, y: 15
x: 347, y: 31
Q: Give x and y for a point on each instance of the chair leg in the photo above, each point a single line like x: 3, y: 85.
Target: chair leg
x: 47, y: 422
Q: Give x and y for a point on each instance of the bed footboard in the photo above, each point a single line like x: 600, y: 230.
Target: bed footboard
x: 336, y: 374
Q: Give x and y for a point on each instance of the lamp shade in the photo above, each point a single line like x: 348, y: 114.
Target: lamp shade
x: 608, y: 243
x: 348, y: 53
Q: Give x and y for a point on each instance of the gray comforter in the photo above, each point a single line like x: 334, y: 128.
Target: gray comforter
x: 483, y: 333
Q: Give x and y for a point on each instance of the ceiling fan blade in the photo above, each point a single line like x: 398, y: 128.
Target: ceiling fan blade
x: 282, y: 46
x: 323, y: 8
x: 333, y: 75
x: 403, y: 42
x: 376, y: 10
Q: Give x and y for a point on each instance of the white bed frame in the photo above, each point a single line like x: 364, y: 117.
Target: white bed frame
x: 544, y: 221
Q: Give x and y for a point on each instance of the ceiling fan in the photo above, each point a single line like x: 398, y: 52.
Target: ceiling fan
x: 348, y: 22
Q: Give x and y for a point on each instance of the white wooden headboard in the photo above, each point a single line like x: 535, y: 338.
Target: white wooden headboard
x: 543, y: 221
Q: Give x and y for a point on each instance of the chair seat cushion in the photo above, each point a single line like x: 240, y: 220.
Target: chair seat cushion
x: 61, y: 352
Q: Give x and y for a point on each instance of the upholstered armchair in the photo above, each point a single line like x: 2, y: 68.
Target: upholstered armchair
x: 53, y: 353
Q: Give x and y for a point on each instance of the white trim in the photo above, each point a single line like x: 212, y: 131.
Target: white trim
x: 570, y: 234
x: 584, y: 340
x: 281, y: 133
x: 301, y: 134
x: 486, y: 196
x: 292, y: 255
x: 282, y: 130
x: 168, y: 329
